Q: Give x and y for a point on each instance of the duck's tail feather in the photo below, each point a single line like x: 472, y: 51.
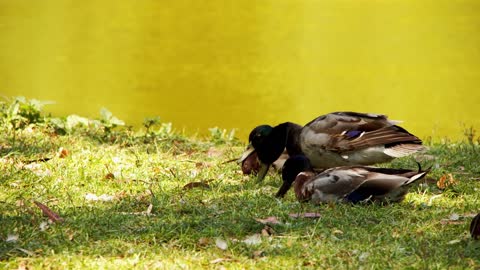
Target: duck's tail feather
x: 402, y: 150
x: 418, y: 176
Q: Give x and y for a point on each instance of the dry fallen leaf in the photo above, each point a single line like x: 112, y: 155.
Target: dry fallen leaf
x: 363, y: 256
x: 196, y: 184
x: 454, y: 216
x: 455, y: 219
x: 337, y: 231
x: 253, y: 240
x: 451, y: 222
x: 149, y: 209
x: 214, y: 152
x: 269, y: 220
x: 147, y: 212
x: 70, y: 234
x: 203, y: 241
x: 445, y: 181
x: 43, y: 226
x: 22, y: 266
x: 103, y: 197
x: 258, y: 254
x: 62, y: 152
x: 26, y: 251
x: 267, y: 231
x: 221, y: 244
x: 48, y: 212
x: 455, y: 241
x: 304, y: 215
x: 12, y: 238
x: 219, y: 260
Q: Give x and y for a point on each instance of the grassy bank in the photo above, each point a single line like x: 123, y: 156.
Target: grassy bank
x: 158, y: 199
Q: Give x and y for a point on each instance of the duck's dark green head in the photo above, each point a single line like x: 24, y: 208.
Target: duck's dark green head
x: 259, y: 134
x: 269, y: 143
x: 292, y: 167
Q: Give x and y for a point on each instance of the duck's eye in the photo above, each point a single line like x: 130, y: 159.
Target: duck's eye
x: 258, y: 135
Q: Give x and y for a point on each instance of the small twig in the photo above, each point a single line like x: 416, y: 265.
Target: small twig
x: 37, y: 160
x: 231, y: 160
x: 172, y: 172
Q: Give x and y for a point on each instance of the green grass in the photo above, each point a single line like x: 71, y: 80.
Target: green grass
x: 180, y: 232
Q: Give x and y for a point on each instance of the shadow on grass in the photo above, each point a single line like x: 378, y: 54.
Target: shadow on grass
x: 181, y: 218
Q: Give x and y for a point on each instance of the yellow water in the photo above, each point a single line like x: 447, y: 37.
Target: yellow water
x: 236, y: 64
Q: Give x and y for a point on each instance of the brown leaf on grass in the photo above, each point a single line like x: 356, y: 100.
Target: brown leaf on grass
x: 268, y: 220
x: 258, y: 254
x: 195, y: 185
x: 22, y: 265
x: 445, y: 181
x: 214, y: 152
x: 48, y: 212
x: 304, y: 215
x: 203, y: 164
x: 70, y: 234
x: 109, y: 176
x: 62, y: 152
x: 219, y: 260
x: 451, y: 222
x: 203, y: 241
x: 267, y: 231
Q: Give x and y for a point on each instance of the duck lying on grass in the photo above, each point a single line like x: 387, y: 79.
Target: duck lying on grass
x: 348, y: 184
x: 332, y: 140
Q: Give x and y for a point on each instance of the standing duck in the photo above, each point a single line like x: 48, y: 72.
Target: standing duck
x: 348, y: 184
x: 334, y: 139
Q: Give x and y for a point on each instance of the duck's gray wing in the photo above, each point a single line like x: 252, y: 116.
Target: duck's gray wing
x: 384, y: 187
x: 339, y: 122
x: 333, y: 184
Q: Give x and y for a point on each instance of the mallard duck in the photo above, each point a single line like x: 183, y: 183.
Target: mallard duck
x: 348, y: 184
x: 335, y: 139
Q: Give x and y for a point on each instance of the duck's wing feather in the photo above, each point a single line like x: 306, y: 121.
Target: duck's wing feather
x: 385, y: 185
x: 333, y: 183
x: 351, y: 131
x: 397, y: 140
x: 355, y: 184
x: 339, y: 122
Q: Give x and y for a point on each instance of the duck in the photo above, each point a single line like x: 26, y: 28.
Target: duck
x: 351, y: 184
x: 332, y: 140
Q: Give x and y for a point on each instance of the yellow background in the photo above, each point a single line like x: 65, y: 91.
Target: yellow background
x: 237, y: 64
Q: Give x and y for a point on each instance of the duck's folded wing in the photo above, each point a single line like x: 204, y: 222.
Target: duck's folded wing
x: 399, y: 141
x: 340, y: 122
x: 336, y: 181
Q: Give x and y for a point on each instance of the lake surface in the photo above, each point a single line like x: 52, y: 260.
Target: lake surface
x: 237, y: 64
